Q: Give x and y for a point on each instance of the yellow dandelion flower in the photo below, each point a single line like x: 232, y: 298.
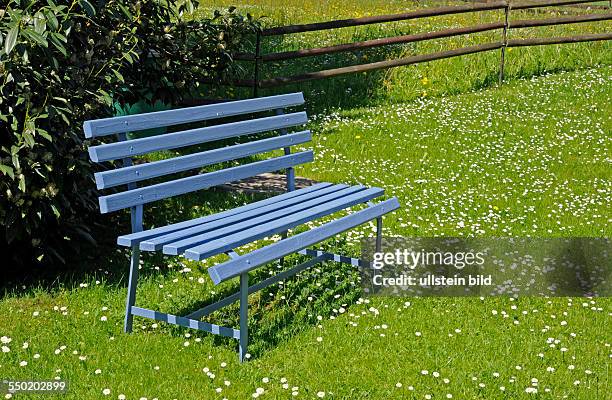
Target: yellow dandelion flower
x: 425, y: 81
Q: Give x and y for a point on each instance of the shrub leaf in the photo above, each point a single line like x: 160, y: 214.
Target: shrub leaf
x: 11, y: 39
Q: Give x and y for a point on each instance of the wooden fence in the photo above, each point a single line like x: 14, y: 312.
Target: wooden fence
x: 503, y: 26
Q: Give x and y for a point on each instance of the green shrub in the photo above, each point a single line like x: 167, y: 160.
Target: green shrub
x: 64, y: 62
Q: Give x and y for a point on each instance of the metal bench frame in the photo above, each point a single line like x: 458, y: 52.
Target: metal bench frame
x: 237, y: 265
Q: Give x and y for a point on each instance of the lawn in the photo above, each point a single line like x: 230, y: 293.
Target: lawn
x: 531, y: 158
x: 464, y: 157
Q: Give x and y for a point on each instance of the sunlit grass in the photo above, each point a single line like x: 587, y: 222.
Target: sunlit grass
x: 529, y: 159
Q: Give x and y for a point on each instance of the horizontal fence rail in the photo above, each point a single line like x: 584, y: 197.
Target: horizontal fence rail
x: 380, y: 65
x: 376, y: 43
x: 504, y: 26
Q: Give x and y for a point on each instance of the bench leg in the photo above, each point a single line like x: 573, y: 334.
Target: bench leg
x: 131, y: 296
x: 244, y: 308
x: 379, y: 223
x: 281, y: 260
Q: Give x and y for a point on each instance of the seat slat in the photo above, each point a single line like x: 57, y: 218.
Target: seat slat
x: 194, y: 235
x: 135, y: 147
x: 176, y: 187
x: 154, y: 169
x: 280, y: 225
x: 131, y: 123
x: 218, y: 229
x: 274, y: 251
x: 135, y: 238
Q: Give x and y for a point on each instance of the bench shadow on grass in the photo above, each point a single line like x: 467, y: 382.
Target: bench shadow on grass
x: 276, y: 313
x: 281, y: 311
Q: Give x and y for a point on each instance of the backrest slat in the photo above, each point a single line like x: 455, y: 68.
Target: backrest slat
x: 176, y: 187
x: 154, y: 169
x: 131, y: 123
x: 190, y: 137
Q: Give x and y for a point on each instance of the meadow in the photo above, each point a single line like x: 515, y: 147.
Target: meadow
x: 464, y: 157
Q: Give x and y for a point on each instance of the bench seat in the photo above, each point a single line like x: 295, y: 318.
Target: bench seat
x: 214, y: 234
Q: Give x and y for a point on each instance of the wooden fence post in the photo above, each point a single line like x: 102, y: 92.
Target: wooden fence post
x: 502, y: 61
x: 257, y: 61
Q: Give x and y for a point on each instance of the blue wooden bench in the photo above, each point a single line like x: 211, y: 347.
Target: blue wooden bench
x: 223, y: 232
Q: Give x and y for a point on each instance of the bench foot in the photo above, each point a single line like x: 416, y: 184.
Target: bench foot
x: 379, y: 225
x: 132, y: 283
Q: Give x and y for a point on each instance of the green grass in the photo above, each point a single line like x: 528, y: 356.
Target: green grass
x: 531, y: 158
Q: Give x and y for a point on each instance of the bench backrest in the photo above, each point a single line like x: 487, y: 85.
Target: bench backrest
x: 136, y: 175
